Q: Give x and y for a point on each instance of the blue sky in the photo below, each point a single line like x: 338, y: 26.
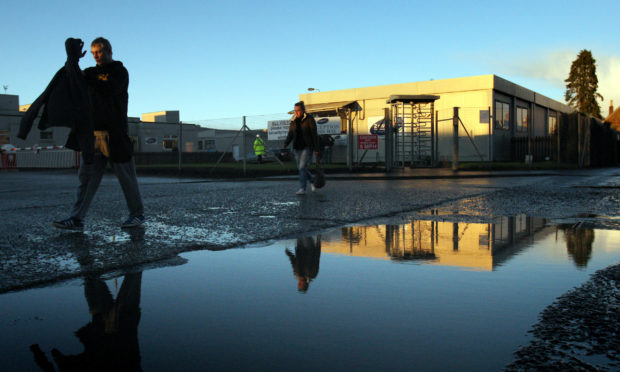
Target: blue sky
x: 217, y: 59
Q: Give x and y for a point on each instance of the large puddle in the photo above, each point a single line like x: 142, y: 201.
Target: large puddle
x: 425, y: 295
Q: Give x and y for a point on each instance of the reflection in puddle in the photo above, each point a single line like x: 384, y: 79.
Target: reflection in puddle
x: 110, y: 339
x: 241, y: 309
x: 472, y: 245
x: 578, y: 244
x: 305, y: 260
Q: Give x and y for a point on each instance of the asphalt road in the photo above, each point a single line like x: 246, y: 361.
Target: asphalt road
x: 188, y: 214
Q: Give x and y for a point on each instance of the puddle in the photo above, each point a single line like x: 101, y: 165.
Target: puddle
x: 425, y: 295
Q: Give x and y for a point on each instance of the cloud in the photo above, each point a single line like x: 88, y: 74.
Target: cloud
x: 552, y: 68
x: 608, y: 72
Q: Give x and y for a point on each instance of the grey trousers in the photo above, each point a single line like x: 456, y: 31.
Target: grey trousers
x: 90, y: 177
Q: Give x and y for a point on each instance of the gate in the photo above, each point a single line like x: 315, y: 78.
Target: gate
x: 410, y: 140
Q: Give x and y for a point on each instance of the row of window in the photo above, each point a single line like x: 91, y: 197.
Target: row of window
x: 502, y: 118
x: 206, y: 145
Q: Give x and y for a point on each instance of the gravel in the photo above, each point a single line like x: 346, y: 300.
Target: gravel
x: 579, y: 331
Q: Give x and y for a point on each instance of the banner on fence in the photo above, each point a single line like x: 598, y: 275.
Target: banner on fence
x: 278, y: 129
x: 328, y: 125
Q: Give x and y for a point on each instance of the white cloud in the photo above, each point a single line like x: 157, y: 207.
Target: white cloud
x: 553, y: 68
x: 608, y: 72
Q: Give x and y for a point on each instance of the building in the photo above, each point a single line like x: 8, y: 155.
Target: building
x: 233, y: 141
x: 154, y: 132
x: 614, y: 117
x: 479, y: 246
x: 492, y: 112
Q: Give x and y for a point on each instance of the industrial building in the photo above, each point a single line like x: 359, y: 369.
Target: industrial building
x: 491, y: 112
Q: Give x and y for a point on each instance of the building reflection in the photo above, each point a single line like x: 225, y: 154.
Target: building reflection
x: 305, y: 261
x: 110, y: 339
x: 472, y: 245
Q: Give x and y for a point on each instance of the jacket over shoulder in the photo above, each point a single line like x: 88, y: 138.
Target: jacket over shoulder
x: 65, y: 104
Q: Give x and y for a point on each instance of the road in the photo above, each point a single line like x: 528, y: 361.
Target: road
x: 189, y: 214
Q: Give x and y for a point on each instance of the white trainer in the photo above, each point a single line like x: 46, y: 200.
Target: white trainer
x: 312, y: 188
x: 301, y: 192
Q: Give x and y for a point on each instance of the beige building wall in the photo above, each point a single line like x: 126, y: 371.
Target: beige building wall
x: 474, y: 96
x: 428, y: 240
x: 470, y: 245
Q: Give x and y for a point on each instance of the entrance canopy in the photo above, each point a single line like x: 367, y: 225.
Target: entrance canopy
x: 418, y: 98
x: 329, y: 107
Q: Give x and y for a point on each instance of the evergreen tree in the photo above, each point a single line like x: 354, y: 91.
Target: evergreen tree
x: 582, y: 84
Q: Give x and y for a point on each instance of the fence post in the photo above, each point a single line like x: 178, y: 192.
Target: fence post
x: 350, y: 143
x: 455, y: 139
x: 180, y: 144
x: 558, y: 126
x: 491, y: 154
x: 243, y: 129
x: 387, y: 125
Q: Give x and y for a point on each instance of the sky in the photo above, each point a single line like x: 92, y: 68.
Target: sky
x: 224, y: 59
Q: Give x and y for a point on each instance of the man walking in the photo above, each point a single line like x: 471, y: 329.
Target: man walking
x: 107, y: 92
x: 302, y: 132
x: 259, y: 148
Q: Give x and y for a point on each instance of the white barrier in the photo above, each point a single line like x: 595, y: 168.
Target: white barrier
x: 46, y: 158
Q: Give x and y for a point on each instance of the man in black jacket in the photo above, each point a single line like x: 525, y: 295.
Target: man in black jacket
x: 302, y: 132
x: 107, y: 84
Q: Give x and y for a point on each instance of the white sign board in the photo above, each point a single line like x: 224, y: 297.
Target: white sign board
x: 329, y: 125
x: 277, y: 129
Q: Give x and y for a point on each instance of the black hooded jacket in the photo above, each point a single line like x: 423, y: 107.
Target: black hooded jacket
x: 306, y: 128
x: 65, y: 104
x: 93, y: 100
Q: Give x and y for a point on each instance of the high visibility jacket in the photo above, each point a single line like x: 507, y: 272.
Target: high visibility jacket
x: 259, y: 146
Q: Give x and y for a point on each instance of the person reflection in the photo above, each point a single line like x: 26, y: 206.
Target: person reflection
x: 305, y: 261
x: 579, y: 244
x: 111, y: 338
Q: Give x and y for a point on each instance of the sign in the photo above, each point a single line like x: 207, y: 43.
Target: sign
x: 376, y: 125
x: 277, y: 130
x: 367, y: 142
x: 151, y: 140
x: 328, y: 125
x: 484, y: 116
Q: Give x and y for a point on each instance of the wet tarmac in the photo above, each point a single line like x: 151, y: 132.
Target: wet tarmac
x: 185, y: 215
x: 423, y: 294
x: 411, y: 270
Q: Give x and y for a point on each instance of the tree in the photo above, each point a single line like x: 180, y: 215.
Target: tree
x: 582, y: 85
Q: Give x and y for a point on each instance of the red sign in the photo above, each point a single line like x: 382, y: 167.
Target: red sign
x: 367, y: 142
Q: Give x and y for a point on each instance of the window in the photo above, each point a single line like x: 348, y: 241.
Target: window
x: 200, y: 145
x: 553, y: 123
x: 522, y: 118
x: 210, y: 145
x: 502, y: 115
x: 4, y: 137
x: 46, y: 135
x: 170, y: 142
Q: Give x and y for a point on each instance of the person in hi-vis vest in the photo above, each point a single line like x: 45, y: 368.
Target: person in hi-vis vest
x: 259, y: 148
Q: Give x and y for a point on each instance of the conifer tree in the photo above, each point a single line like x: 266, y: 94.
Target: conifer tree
x: 582, y: 85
